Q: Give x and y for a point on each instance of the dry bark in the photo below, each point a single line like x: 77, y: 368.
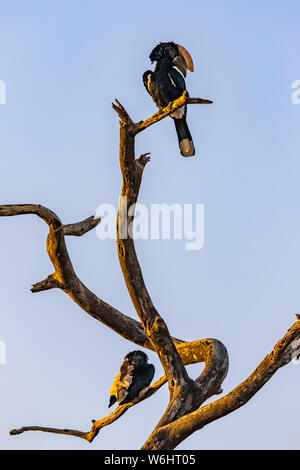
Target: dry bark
x: 184, y: 414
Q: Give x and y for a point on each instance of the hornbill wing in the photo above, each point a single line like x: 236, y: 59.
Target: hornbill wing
x: 126, y: 372
x: 121, y: 384
x: 141, y: 379
x: 147, y: 80
x: 177, y: 80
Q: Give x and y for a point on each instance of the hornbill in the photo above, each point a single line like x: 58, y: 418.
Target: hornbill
x: 166, y: 84
x: 135, y: 375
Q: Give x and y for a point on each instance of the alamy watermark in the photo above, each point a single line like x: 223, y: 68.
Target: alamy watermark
x: 160, y: 221
x: 2, y: 352
x: 2, y: 92
x: 295, y: 97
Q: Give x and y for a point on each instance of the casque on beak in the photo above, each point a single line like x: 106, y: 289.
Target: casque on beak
x: 184, y: 61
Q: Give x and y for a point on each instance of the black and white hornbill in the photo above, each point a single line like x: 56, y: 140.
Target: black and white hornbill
x: 166, y: 84
x: 135, y: 375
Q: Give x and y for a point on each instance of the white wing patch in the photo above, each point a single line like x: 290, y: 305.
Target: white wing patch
x: 172, y: 81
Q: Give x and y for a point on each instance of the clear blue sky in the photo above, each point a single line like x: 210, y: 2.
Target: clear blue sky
x: 63, y: 63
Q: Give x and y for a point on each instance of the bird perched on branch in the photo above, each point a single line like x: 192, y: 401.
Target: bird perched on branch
x: 166, y: 84
x: 135, y: 375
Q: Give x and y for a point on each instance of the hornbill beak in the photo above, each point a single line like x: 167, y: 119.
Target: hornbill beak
x: 184, y: 61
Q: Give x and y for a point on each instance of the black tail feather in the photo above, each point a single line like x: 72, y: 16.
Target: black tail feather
x: 185, y: 140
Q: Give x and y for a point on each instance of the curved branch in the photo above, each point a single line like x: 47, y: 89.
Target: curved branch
x: 153, y: 332
x: 185, y: 396
x: 208, y: 350
x: 182, y: 416
x: 65, y: 277
x: 216, y: 367
x: 130, y: 329
x: 169, y: 436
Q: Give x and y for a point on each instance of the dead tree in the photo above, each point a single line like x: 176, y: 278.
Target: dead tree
x: 184, y: 414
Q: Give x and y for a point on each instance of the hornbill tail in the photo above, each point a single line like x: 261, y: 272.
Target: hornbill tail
x: 185, y: 140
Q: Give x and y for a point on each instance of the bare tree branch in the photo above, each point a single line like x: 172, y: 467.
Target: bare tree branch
x: 97, y: 424
x: 65, y: 278
x: 80, y: 228
x: 164, y: 112
x: 183, y: 415
x: 210, y: 351
x: 130, y: 329
x: 49, y: 283
x: 152, y: 322
x: 69, y: 432
x: 169, y: 436
x: 185, y: 396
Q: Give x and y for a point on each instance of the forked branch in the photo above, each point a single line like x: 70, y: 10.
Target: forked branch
x: 210, y: 351
x: 169, y: 436
x: 184, y: 414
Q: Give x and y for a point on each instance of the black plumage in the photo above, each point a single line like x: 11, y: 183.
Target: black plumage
x: 166, y: 84
x: 135, y: 375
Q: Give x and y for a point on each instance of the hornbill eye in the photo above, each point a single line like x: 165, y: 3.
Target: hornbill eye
x: 184, y: 61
